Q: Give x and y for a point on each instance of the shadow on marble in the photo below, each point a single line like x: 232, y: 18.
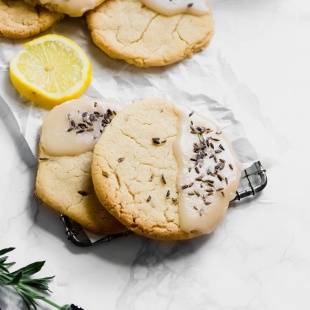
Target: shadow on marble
x: 118, y: 250
x: 134, y: 250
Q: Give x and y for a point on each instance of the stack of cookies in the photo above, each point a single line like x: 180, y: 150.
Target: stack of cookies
x: 151, y: 167
x: 142, y: 32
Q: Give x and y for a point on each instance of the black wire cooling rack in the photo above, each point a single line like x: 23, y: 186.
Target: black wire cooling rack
x: 253, y: 181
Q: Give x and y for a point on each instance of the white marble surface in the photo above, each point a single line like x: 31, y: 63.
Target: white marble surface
x: 259, y: 258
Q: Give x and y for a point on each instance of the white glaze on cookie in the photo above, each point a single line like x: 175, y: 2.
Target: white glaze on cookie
x: 174, y: 7
x: 75, y: 126
x: 209, y: 172
x: 73, y: 8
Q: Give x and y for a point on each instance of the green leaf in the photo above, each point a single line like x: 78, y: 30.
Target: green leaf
x: 3, y: 280
x: 7, y: 250
x: 29, y: 301
x: 3, y: 265
x: 29, y: 289
x: 28, y: 295
x: 4, y: 269
x: 3, y: 259
x: 15, y: 279
x: 8, y: 265
x: 30, y: 269
x: 39, y: 284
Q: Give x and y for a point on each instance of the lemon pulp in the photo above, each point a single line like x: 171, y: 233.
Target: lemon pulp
x: 50, y: 70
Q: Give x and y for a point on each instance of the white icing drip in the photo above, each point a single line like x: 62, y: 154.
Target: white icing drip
x: 173, y: 7
x: 199, y: 211
x: 58, y: 141
x: 74, y: 8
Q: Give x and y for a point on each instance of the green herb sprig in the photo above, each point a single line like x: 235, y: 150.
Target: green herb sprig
x: 29, y: 289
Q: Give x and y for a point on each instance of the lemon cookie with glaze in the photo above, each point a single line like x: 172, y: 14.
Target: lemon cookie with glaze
x: 74, y: 8
x: 127, y: 29
x: 19, y: 20
x: 169, y: 175
x: 69, y: 133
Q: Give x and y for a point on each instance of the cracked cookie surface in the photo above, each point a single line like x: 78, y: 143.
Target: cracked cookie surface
x: 126, y: 29
x: 132, y: 175
x: 64, y: 183
x: 19, y: 20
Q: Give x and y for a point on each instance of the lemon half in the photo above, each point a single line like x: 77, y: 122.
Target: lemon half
x: 50, y: 70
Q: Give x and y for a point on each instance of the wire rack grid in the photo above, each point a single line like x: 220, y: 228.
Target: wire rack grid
x: 253, y: 181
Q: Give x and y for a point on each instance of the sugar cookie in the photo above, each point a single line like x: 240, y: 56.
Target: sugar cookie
x: 64, y: 182
x: 19, y: 20
x: 168, y: 175
x: 126, y: 29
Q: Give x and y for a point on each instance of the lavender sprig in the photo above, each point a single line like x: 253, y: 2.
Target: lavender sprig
x: 29, y: 289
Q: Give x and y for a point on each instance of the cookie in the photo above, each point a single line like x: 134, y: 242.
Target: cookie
x: 74, y: 8
x: 19, y: 20
x: 126, y: 29
x: 169, y: 175
x: 65, y: 155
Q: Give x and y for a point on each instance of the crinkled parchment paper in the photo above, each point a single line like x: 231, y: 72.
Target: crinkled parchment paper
x: 205, y: 83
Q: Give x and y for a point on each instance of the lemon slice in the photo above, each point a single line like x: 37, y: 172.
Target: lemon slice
x: 50, y: 70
